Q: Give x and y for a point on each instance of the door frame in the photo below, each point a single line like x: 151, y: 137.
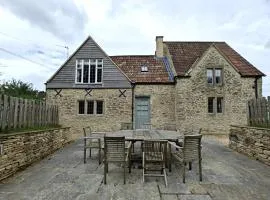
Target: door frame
x: 135, y: 110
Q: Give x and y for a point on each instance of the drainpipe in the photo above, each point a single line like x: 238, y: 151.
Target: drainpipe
x: 132, y: 102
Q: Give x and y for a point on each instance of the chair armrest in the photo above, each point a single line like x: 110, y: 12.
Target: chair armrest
x: 91, y: 137
x: 174, y: 145
x: 99, y: 133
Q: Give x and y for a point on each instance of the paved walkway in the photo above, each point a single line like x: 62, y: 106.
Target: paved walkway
x: 226, y: 175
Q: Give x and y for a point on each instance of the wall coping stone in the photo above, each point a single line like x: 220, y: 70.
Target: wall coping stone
x: 251, y: 127
x: 6, y: 135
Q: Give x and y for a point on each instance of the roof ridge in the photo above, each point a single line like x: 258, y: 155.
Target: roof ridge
x: 194, y: 41
x: 130, y: 55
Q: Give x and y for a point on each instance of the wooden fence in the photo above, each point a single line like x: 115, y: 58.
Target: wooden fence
x: 16, y: 113
x: 259, y: 112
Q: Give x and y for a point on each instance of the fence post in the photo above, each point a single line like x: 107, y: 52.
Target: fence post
x: 16, y: 113
x: 25, y: 114
x: 22, y: 113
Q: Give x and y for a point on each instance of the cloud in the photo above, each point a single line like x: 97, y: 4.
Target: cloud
x: 267, y: 45
x: 62, y: 18
x: 127, y: 27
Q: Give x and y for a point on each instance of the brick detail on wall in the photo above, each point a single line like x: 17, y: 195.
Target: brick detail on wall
x: 251, y: 141
x: 22, y: 149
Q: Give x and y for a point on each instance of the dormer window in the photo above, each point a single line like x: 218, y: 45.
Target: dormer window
x: 89, y: 71
x: 144, y: 68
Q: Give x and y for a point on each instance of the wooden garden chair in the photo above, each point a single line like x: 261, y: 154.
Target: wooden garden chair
x: 116, y: 152
x: 92, y: 141
x: 154, y: 158
x: 189, y: 152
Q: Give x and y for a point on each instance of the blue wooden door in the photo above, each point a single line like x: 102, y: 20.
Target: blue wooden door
x: 142, y: 111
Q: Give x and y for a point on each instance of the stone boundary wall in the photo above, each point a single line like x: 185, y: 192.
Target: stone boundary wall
x: 19, y: 150
x: 251, y: 141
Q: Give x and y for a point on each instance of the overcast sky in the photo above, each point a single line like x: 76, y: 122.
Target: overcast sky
x: 34, y: 34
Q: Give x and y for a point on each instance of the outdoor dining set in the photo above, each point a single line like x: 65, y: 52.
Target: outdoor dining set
x: 157, y: 150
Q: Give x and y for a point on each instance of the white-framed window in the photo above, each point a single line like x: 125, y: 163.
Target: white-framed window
x: 144, y: 68
x: 214, y: 76
x: 90, y: 107
x: 215, y: 105
x: 89, y: 71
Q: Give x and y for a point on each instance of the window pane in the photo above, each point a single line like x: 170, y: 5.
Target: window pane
x: 92, y: 73
x: 85, y: 73
x: 210, y: 105
x: 90, y: 107
x: 99, y: 107
x: 210, y: 76
x: 79, y: 73
x: 99, y: 75
x: 100, y: 61
x: 219, y: 104
x: 218, y: 75
x: 81, y: 107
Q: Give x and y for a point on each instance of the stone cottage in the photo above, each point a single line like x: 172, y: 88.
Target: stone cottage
x: 184, y: 85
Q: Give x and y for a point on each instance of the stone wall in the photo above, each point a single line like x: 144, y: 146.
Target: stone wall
x: 162, y: 104
x: 22, y: 149
x: 251, y: 141
x: 192, y: 97
x: 117, y: 110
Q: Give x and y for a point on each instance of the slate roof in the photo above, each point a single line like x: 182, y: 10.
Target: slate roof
x: 184, y: 54
x: 131, y: 66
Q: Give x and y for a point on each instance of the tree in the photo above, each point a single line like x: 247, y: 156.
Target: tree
x: 18, y: 88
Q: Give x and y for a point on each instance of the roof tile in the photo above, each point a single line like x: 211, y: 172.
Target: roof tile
x: 184, y: 54
x: 131, y: 66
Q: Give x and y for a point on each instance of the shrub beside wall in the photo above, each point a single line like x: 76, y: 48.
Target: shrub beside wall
x: 22, y: 149
x: 252, y: 141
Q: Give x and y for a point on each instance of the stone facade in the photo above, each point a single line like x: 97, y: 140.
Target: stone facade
x: 191, y: 101
x: 117, y: 110
x: 162, y: 104
x: 251, y: 141
x: 22, y: 149
x: 184, y: 104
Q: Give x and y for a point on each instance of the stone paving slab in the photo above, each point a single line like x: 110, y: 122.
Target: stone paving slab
x: 63, y: 175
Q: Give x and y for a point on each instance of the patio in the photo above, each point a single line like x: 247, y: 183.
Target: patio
x: 63, y: 175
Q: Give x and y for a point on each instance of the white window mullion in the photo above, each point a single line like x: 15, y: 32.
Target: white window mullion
x: 96, y: 70
x: 82, y: 71
x: 89, y: 71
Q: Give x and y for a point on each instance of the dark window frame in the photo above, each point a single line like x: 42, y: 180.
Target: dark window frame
x: 217, y: 105
x: 86, y: 106
x: 213, y: 77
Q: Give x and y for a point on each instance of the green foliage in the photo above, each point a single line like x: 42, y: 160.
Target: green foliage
x: 18, y: 88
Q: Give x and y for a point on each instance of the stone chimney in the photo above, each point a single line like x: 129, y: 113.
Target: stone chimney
x: 159, y: 46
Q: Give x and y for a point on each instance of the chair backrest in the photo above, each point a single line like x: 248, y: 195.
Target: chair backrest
x: 192, y: 147
x: 114, y: 148
x: 87, y: 131
x: 154, y: 145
